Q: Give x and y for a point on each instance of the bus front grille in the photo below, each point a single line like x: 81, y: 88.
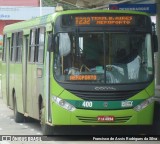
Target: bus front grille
x: 104, y: 96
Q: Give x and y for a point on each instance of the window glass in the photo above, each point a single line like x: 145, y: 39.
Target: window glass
x: 41, y: 45
x: 103, y: 58
x: 37, y: 40
x: 32, y: 45
x: 19, y: 46
x: 4, y: 48
x: 13, y: 47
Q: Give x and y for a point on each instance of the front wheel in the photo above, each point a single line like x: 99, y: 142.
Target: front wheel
x: 46, y: 129
x: 156, y: 120
x: 18, y: 117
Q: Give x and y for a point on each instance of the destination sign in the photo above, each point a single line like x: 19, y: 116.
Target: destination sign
x: 83, y: 77
x: 104, y: 20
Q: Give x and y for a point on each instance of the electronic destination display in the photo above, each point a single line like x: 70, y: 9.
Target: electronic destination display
x: 103, y: 20
x: 81, y: 20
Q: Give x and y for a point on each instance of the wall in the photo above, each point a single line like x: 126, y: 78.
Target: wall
x: 19, y: 2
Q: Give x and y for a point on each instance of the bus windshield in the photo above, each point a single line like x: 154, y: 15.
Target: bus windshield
x: 103, y: 58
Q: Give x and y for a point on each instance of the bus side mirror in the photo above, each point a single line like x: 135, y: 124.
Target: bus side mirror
x: 50, y: 47
x: 155, y: 43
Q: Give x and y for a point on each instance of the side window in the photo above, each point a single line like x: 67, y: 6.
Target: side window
x: 37, y: 43
x: 19, y: 47
x: 4, y: 48
x: 32, y: 45
x: 41, y: 44
x: 13, y: 47
x: 16, y: 47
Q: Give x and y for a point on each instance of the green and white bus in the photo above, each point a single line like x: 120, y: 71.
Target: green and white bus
x: 81, y: 68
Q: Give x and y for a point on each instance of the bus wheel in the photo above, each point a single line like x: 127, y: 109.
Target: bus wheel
x: 46, y: 129
x: 18, y: 117
x: 156, y: 121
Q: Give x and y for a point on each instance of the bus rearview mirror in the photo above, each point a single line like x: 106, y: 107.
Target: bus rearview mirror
x: 50, y: 47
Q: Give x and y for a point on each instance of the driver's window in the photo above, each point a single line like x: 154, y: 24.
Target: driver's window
x: 63, y: 51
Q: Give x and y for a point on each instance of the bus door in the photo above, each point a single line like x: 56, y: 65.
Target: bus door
x: 28, y: 75
x: 33, y: 71
x: 29, y: 78
x: 24, y: 74
x: 35, y: 68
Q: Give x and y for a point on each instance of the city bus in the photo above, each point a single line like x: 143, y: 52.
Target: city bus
x: 81, y: 68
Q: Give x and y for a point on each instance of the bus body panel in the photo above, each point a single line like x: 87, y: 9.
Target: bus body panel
x: 30, y: 86
x: 17, y: 86
x: 5, y: 73
x: 3, y: 82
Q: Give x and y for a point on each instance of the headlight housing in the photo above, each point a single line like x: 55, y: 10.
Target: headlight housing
x: 62, y: 103
x: 144, y: 104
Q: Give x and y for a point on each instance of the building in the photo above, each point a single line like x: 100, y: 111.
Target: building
x: 33, y: 3
x: 12, y: 11
x: 4, y: 8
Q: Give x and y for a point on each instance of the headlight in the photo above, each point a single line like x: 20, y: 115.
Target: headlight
x: 144, y: 104
x: 63, y: 103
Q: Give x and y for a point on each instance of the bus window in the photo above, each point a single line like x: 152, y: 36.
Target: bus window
x: 41, y: 41
x: 4, y: 49
x: 19, y: 47
x: 113, y: 57
x: 13, y: 47
x: 32, y: 45
x: 16, y: 47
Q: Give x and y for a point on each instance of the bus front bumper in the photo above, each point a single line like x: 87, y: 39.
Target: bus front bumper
x: 61, y: 116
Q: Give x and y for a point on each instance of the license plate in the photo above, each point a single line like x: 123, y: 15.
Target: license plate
x: 105, y: 118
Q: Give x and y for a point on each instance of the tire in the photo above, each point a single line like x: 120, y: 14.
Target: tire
x: 18, y: 117
x: 46, y: 129
x: 156, y: 121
